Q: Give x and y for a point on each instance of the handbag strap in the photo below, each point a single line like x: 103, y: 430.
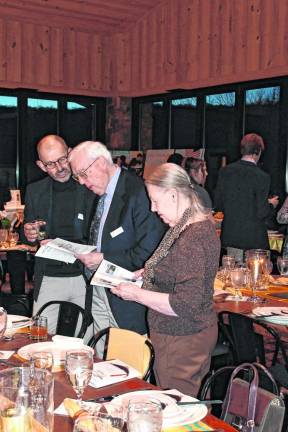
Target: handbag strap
x: 252, y: 398
x: 270, y: 376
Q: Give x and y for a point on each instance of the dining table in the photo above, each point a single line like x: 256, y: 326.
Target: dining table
x: 63, y: 389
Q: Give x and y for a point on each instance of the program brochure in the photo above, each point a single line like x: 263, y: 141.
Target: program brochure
x: 108, y: 275
x: 63, y: 250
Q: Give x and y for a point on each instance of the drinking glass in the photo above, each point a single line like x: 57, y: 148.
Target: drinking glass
x: 144, y: 414
x: 282, y: 265
x: 42, y: 360
x: 239, y: 279
x: 4, y: 238
x: 3, y: 321
x: 13, y: 239
x: 39, y: 328
x: 27, y: 400
x: 228, y: 263
x: 255, y: 265
x: 78, y: 367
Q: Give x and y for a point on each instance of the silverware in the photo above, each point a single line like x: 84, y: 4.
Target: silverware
x: 202, y: 402
x: 9, y: 363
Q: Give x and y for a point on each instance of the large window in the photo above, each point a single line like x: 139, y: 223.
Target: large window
x: 184, y: 123
x: 25, y: 117
x: 262, y: 111
x: 153, y: 126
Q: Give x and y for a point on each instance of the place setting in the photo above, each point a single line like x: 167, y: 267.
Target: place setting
x: 275, y: 315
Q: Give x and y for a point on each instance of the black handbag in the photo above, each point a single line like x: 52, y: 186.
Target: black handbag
x: 250, y: 408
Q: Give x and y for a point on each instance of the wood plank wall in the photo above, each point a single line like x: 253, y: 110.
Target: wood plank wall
x: 198, y: 43
x: 54, y: 59
x: 179, y: 44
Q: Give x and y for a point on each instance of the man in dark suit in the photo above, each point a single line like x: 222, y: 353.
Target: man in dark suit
x: 128, y: 232
x: 64, y: 205
x: 242, y: 195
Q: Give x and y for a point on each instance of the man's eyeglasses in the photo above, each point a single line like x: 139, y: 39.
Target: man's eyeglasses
x: 83, y: 173
x: 62, y: 160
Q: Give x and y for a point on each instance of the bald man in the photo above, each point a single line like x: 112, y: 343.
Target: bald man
x: 64, y: 205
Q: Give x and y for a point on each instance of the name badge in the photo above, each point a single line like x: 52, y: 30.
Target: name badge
x: 116, y: 232
x: 80, y: 216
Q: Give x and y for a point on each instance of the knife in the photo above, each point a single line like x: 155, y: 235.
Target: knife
x: 203, y: 402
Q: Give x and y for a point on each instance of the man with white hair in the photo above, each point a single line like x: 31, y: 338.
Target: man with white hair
x: 127, y: 233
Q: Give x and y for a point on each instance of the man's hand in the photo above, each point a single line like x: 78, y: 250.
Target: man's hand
x: 139, y: 273
x: 274, y: 201
x: 91, y: 260
x: 31, y: 232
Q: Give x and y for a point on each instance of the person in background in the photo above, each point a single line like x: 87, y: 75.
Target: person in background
x: 123, y: 163
x: 178, y: 283
x: 176, y: 158
x: 242, y: 195
x: 123, y: 230
x: 65, y: 206
x: 197, y: 172
x: 136, y: 167
x: 282, y: 218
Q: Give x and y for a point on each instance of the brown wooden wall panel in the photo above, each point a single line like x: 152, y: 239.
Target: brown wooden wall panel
x: 55, y: 59
x: 195, y: 43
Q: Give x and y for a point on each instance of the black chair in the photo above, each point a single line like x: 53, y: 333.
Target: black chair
x: 68, y: 316
x: 246, y: 337
x: 17, y: 304
x: 132, y: 348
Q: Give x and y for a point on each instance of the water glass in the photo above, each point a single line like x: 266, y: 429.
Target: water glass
x: 3, y: 321
x: 282, y: 265
x: 228, y: 263
x: 13, y: 239
x: 144, y: 415
x: 42, y: 360
x: 78, y: 368
x: 239, y: 279
x: 27, y: 400
x: 39, y: 328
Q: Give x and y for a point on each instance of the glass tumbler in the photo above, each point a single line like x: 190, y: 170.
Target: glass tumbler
x: 144, y: 415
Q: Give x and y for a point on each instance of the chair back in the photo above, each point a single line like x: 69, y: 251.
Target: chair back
x: 69, y: 314
x: 132, y: 348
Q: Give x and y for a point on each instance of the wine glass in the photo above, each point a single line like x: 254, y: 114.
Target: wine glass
x: 282, y: 265
x: 3, y: 321
x: 79, y: 367
x: 228, y: 263
x: 239, y: 279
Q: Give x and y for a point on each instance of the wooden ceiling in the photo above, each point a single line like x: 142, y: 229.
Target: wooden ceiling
x: 97, y: 16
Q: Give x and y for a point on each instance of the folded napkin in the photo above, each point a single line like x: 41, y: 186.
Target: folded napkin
x: 111, y: 372
x: 59, y: 339
x: 5, y: 355
x: 218, y: 284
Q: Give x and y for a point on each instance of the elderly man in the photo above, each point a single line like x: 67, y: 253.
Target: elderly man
x: 64, y: 205
x: 123, y: 229
x: 242, y: 195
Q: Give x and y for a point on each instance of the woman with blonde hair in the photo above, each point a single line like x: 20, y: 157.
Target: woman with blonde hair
x: 178, y: 282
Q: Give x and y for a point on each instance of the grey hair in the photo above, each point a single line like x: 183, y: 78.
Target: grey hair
x: 92, y: 149
x: 170, y: 175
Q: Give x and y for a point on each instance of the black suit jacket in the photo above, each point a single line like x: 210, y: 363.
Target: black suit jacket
x: 142, y: 232
x: 242, y: 195
x: 39, y: 204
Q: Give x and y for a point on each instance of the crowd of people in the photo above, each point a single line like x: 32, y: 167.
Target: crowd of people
x: 161, y: 228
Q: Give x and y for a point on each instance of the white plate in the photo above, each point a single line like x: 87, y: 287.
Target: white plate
x: 58, y: 351
x: 13, y: 326
x: 173, y: 414
x: 282, y: 280
x: 282, y: 319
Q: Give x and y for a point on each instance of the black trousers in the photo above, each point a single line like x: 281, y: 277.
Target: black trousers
x: 16, y: 266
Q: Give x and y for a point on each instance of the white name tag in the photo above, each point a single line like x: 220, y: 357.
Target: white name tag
x: 116, y: 232
x: 80, y: 216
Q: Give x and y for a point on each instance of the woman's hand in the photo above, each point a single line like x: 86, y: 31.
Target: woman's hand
x: 127, y: 291
x: 91, y: 259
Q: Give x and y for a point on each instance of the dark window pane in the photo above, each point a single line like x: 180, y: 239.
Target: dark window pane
x: 220, y: 134
x: 77, y: 123
x: 262, y: 117
x: 41, y: 120
x: 153, y: 126
x: 8, y: 148
x: 184, y: 123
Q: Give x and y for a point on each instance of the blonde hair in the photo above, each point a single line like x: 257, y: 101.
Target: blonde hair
x: 92, y: 149
x: 170, y: 175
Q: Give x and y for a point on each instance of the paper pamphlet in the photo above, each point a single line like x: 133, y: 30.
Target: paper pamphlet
x: 63, y: 250
x: 108, y: 275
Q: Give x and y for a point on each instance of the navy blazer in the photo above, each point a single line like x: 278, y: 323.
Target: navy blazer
x: 142, y: 232
x: 39, y: 204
